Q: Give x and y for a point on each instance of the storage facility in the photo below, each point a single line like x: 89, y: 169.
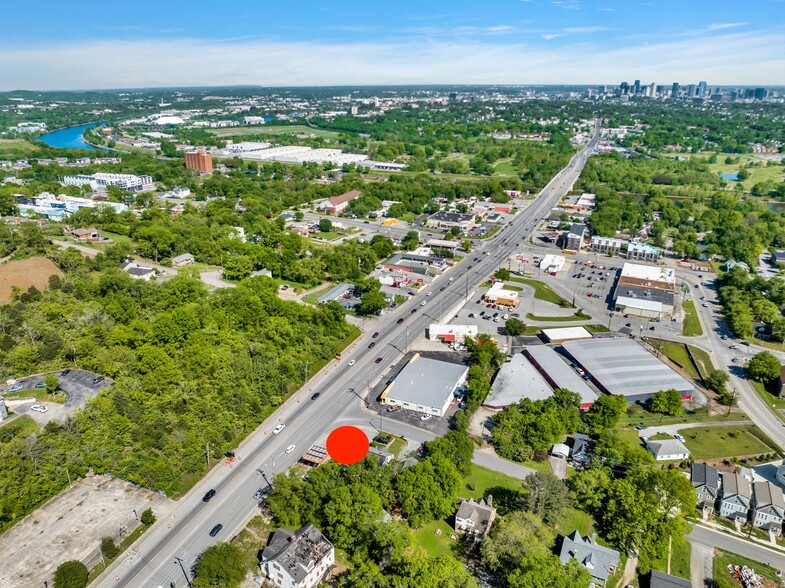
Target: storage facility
x: 558, y: 373
x: 561, y: 334
x: 621, y: 366
x: 425, y: 385
x: 517, y: 379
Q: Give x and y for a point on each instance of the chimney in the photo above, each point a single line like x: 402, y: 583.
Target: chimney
x: 489, y: 500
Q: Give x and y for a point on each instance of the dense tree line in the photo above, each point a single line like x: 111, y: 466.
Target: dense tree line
x: 748, y: 299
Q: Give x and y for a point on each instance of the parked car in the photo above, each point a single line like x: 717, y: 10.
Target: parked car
x: 40, y: 385
x: 280, y: 427
x: 258, y: 494
x: 641, y: 427
x: 215, y: 530
x: 208, y: 496
x: 290, y: 448
x: 678, y: 437
x: 39, y: 408
x: 425, y: 417
x: 16, y: 388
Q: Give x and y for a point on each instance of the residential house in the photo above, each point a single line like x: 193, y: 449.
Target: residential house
x: 736, y: 496
x: 138, y: 272
x: 659, y: 579
x: 781, y: 474
x: 86, y: 235
x: 561, y: 450
x: 297, y: 559
x: 383, y: 454
x: 181, y: 260
x: 474, y: 518
x: 600, y: 561
x: 667, y: 449
x: 706, y: 481
x: 768, y: 507
x: 580, y: 449
x: 778, y: 257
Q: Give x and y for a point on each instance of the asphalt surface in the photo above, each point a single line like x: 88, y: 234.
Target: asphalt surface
x: 184, y: 535
x: 726, y: 542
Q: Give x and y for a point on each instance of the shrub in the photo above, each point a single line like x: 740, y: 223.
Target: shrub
x: 71, y: 574
x: 147, y: 518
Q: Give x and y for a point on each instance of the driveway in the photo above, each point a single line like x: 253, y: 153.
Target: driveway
x: 701, y: 565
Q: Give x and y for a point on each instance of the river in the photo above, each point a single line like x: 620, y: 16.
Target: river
x: 70, y: 138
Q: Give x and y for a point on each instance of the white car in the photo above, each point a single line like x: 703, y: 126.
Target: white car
x: 425, y: 417
x: 290, y: 448
x: 278, y: 429
x: 505, y: 317
x: 351, y: 363
x: 39, y: 408
x: 678, y: 437
x: 422, y: 303
x: 429, y: 294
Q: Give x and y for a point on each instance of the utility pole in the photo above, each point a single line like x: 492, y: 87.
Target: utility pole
x: 182, y: 567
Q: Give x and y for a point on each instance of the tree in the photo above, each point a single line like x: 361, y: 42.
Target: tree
x: 71, y: 574
x: 546, y: 496
x: 222, y: 565
x: 765, y: 310
x: 502, y: 274
x: 411, y: 241
x: 763, y: 367
x: 514, y: 327
x: 743, y: 174
x: 372, y: 302
x: 547, y: 570
x: 148, y: 517
x: 667, y: 402
x: 325, y: 225
x: 717, y: 380
x: 426, y: 490
x: 518, y: 535
x: 108, y: 549
x: 237, y: 267
x: 456, y: 447
x: 604, y: 413
x: 467, y: 245
x: 51, y: 383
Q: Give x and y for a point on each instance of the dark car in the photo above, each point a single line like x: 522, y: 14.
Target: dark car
x: 442, y: 289
x: 209, y: 495
x: 229, y: 454
x: 375, y: 335
x: 628, y: 325
x: 470, y: 267
x: 215, y: 530
x: 378, y: 360
x: 476, y: 259
x: 65, y: 372
x: 413, y: 311
x: 399, y: 321
x: 371, y: 345
x: 316, y: 395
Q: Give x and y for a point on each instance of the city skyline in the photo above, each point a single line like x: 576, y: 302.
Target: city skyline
x: 504, y: 42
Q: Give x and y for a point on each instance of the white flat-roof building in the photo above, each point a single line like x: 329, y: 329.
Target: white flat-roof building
x: 517, y: 379
x: 647, y: 273
x: 561, y: 334
x: 128, y: 182
x: 557, y: 372
x: 425, y: 385
x: 449, y: 333
x: 498, y: 295
x: 552, y: 263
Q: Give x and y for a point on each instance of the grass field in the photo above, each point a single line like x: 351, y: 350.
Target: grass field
x: 13, y: 148
x: 725, y: 441
x: 703, y: 359
x: 596, y: 328
x: 24, y: 273
x: 559, y: 319
x: 757, y: 174
x: 542, y: 291
x: 777, y: 404
x: 680, y: 558
x: 327, y: 235
x: 504, y: 167
x: 678, y: 354
x: 699, y: 416
x: 314, y: 296
x: 274, y: 130
x: 692, y: 326
x: 722, y: 578
x: 19, y: 426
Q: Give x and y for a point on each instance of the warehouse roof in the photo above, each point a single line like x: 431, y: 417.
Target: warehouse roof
x: 566, y: 333
x: 621, y: 366
x: 644, y: 293
x: 642, y: 303
x: 648, y: 272
x: 427, y: 382
x: 558, y: 373
x: 517, y: 379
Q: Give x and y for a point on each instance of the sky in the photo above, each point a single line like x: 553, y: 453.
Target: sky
x: 104, y: 44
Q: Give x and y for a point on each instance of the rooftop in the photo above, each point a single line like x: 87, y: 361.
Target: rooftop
x: 565, y: 333
x: 623, y: 367
x: 648, y: 272
x: 667, y: 447
x: 736, y: 484
x: 297, y: 551
x: 559, y: 372
x: 427, y: 382
x: 662, y: 580
x: 517, y: 379
x: 703, y: 474
x: 600, y: 561
x: 767, y: 494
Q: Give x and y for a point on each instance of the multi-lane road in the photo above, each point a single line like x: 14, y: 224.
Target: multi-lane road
x: 153, y: 561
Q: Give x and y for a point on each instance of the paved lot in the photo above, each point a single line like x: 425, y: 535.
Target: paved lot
x: 70, y: 526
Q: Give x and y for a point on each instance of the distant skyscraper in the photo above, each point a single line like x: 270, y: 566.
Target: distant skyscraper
x: 675, y: 90
x: 692, y: 91
x: 701, y: 89
x: 200, y: 161
x: 353, y: 110
x: 636, y: 87
x: 624, y: 87
x: 760, y: 93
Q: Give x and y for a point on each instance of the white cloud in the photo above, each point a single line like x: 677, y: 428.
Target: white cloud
x: 549, y: 36
x: 568, y: 4
x: 592, y: 29
x: 607, y: 9
x: 499, y: 29
x: 726, y: 25
x: 731, y: 58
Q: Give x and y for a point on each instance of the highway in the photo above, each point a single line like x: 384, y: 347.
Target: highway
x: 152, y: 560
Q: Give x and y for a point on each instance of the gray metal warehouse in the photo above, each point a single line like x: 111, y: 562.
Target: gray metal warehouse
x: 621, y: 366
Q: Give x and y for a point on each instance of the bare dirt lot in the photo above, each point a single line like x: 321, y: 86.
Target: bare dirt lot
x: 25, y: 273
x: 70, y: 526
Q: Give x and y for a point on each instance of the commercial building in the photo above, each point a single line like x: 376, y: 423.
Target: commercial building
x: 572, y: 240
x: 411, y: 262
x: 128, y: 182
x: 646, y: 291
x: 562, y: 334
x: 449, y: 333
x: 336, y: 292
x: 297, y: 559
x: 559, y: 374
x: 552, y: 264
x: 199, y: 161
x: 498, y: 295
x: 620, y: 366
x: 338, y: 204
x: 425, y: 385
x: 643, y: 252
x: 448, y: 220
x: 517, y: 379
x: 606, y: 245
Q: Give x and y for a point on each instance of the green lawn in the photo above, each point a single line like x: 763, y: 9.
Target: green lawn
x: 757, y: 174
x: 725, y: 441
x: 435, y: 545
x: 476, y: 484
x: 19, y: 426
x: 775, y: 403
x: 677, y: 352
x: 327, y: 235
x: 559, y: 319
x: 574, y: 519
x: 542, y: 291
x: 698, y: 416
x: 703, y: 359
x: 505, y: 167
x: 723, y: 579
x: 314, y: 296
x: 680, y: 558
x: 21, y: 394
x: 692, y: 326
x: 13, y: 148
x: 596, y: 328
x: 273, y: 130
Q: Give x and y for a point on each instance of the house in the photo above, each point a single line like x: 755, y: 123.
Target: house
x: 383, y: 454
x: 706, y: 481
x: 138, y: 272
x: 86, y: 235
x: 600, y: 561
x: 667, y: 449
x: 338, y: 204
x: 580, y: 449
x: 781, y: 474
x: 297, y: 559
x: 736, y: 496
x: 181, y: 260
x: 730, y: 264
x: 561, y: 450
x: 768, y: 507
x: 474, y: 518
x: 659, y: 579
x: 778, y: 257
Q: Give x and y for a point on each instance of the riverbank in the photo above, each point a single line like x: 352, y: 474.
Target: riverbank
x: 70, y: 138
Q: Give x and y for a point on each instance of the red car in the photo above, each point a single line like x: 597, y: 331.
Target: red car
x: 378, y: 360
x: 374, y: 335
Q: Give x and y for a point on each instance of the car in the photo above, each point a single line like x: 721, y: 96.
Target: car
x: 724, y: 337
x: 215, y: 530
x: 423, y: 303
x: 39, y: 408
x: 476, y: 259
x: 378, y: 360
x: 413, y: 311
x: 641, y: 427
x: 372, y: 344
x: 703, y: 298
x: 375, y: 335
x: 505, y: 317
x: 429, y: 293
x: 290, y: 448
x: 628, y: 324
x: 65, y: 372
x: 40, y: 385
x: 651, y: 328
x: 644, y: 439
x: 425, y: 417
x: 478, y: 302
x: 700, y: 276
x: 230, y: 454
x: 496, y: 320
x: 704, y: 305
x: 393, y: 408
x: 733, y: 347
x: 209, y: 495
x: 516, y: 314
x: 450, y: 279
x: 315, y: 395
x: 472, y: 315
x: 442, y: 289
x: 678, y: 437
x: 412, y: 292
x: 580, y: 371
x: 482, y: 313
x: 351, y: 362
x: 280, y: 427
x: 15, y: 388
x: 258, y: 494
x: 399, y: 321
x: 495, y: 314
x: 736, y: 359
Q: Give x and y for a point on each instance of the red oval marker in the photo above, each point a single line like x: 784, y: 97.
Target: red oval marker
x: 347, y: 445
